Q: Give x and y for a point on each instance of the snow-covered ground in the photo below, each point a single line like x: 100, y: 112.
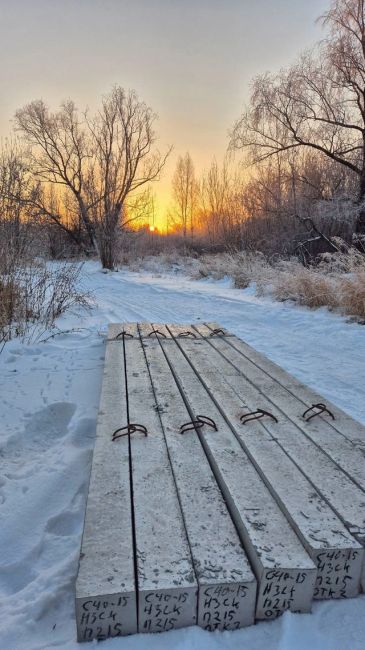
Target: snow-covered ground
x: 49, y: 395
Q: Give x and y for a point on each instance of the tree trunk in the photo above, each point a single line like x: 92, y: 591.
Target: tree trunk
x: 89, y: 226
x: 360, y: 223
x: 107, y: 256
x: 90, y: 229
x: 108, y: 241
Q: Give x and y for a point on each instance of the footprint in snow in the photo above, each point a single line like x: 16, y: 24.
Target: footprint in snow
x: 84, y: 432
x: 43, y: 429
x: 64, y: 524
x: 50, y: 423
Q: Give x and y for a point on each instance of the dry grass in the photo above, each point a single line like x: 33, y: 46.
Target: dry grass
x: 243, y: 267
x: 337, y: 281
x: 304, y: 286
x: 353, y: 295
x: 312, y: 288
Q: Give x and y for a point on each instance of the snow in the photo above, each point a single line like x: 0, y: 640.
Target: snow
x: 48, y: 405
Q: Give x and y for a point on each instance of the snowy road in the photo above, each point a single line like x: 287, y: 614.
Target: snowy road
x: 49, y: 395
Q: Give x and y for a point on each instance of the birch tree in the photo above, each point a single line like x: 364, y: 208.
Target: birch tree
x: 185, y: 192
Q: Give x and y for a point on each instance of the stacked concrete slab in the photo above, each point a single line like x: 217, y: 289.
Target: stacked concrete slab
x: 105, y: 588
x: 217, y: 522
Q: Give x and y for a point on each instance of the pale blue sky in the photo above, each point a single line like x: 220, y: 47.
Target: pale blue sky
x: 192, y: 61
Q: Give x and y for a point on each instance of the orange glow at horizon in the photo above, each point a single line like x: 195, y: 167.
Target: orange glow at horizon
x: 197, y: 92
x: 162, y: 205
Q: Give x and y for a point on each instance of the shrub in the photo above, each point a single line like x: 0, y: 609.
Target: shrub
x: 33, y: 294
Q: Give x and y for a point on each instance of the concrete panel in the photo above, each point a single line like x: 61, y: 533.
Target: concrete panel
x: 167, y: 587
x: 105, y: 588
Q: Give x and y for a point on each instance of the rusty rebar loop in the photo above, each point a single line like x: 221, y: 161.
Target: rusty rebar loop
x: 128, y: 430
x: 123, y: 334
x: 185, y: 335
x: 322, y: 408
x: 209, y: 421
x: 217, y: 332
x: 257, y: 415
x: 158, y: 333
x: 198, y: 423
x: 190, y: 426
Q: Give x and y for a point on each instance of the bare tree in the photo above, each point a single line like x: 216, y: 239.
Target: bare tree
x: 216, y: 189
x: 318, y: 103
x: 185, y: 193
x: 15, y: 218
x: 95, y: 162
x: 58, y: 155
x: 123, y: 138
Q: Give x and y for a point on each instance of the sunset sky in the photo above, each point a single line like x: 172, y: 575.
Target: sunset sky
x: 191, y: 61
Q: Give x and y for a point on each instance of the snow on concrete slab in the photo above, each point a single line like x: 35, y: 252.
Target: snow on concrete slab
x: 167, y: 587
x: 106, y: 603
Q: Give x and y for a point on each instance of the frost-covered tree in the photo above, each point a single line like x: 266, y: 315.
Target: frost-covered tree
x: 185, y: 192
x: 317, y: 103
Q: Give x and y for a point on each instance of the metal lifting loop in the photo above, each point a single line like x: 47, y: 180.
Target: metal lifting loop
x: 198, y: 423
x: 128, y: 430
x: 123, y: 334
x: 209, y: 421
x: 183, y: 335
x: 217, y: 332
x: 322, y: 408
x: 157, y: 332
x: 256, y: 415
